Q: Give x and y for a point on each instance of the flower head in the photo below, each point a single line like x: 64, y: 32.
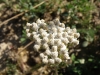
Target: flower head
x: 54, y: 38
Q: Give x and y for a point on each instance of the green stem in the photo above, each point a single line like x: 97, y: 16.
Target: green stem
x: 56, y: 70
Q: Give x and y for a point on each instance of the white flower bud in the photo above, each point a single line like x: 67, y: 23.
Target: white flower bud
x: 66, y: 56
x: 56, y: 21
x: 75, y: 42
x: 48, y: 52
x: 51, y: 36
x: 70, y: 38
x: 51, y: 24
x: 35, y: 37
x: 35, y: 27
x: 41, y: 30
x: 42, y: 55
x: 51, y: 42
x: 67, y: 29
x: 27, y: 30
x: 54, y: 54
x: 45, y: 39
x: 74, y: 30
x: 59, y: 29
x: 70, y: 33
x: 54, y: 30
x: 44, y: 34
x: 45, y: 46
x: 38, y: 21
x: 28, y: 24
x: 70, y: 11
x: 59, y: 35
x: 46, y: 57
x: 28, y: 34
x: 58, y: 42
x: 66, y: 41
x: 51, y: 61
x: 76, y: 35
x: 62, y: 25
x: 34, y: 24
x: 63, y: 50
x: 54, y: 48
x: 42, y: 20
x: 65, y: 34
x: 58, y: 60
x: 45, y: 61
x: 36, y: 47
x: 38, y: 41
x: 43, y: 25
x: 55, y: 34
x: 34, y: 33
x: 62, y: 45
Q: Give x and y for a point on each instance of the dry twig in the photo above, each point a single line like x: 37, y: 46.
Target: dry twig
x: 25, y: 47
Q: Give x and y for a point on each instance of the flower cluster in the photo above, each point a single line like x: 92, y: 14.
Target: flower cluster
x: 54, y: 38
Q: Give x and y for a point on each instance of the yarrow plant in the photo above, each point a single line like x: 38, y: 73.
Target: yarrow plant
x: 54, y: 38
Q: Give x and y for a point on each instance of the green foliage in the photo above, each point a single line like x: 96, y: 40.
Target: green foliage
x: 88, y: 36
x: 80, y: 10
x: 11, y: 68
x: 28, y: 5
x: 8, y: 3
x: 23, y: 38
x: 84, y: 66
x: 80, y: 13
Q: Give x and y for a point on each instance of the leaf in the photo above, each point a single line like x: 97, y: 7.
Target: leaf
x: 98, y: 26
x: 22, y: 40
x: 95, y: 67
x: 91, y: 32
x: 76, y: 62
x: 73, y: 57
x: 90, y: 60
x: 60, y: 74
x: 82, y: 61
x: 85, y: 44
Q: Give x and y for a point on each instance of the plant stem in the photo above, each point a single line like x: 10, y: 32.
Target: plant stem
x: 56, y: 70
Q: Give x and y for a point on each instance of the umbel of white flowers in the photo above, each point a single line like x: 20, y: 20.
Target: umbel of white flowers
x: 54, y: 38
